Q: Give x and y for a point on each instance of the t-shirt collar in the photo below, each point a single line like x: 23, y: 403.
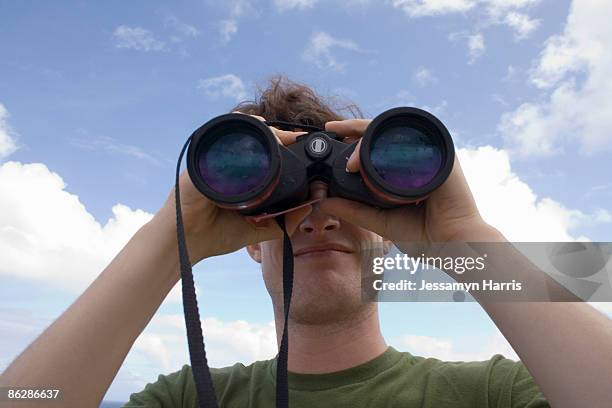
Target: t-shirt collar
x: 360, y: 373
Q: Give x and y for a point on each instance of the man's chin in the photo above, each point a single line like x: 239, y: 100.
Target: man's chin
x: 324, y: 296
x: 326, y: 288
x: 326, y: 310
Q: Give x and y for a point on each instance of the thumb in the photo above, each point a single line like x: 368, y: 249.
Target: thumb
x: 362, y: 215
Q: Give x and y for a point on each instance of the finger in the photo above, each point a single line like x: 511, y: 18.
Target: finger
x: 350, y: 140
x: 255, y: 116
x: 351, y: 128
x: 352, y: 165
x: 286, y: 137
x: 455, y: 194
x: 262, y: 119
x: 362, y: 215
x: 456, y: 184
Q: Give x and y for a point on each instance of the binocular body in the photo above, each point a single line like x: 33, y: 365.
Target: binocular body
x: 236, y: 161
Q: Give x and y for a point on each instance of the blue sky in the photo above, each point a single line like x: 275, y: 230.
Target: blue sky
x: 96, y: 100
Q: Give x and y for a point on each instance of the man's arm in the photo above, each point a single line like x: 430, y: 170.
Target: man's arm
x: 566, y: 346
x: 81, y: 352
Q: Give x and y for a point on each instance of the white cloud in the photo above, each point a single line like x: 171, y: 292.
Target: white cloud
x: 239, y: 7
x: 227, y: 29
x: 111, y: 145
x: 127, y: 381
x: 180, y: 32
x: 603, y: 307
x: 239, y: 341
x: 46, y: 233
x: 284, y: 5
x: 476, y: 46
x: 500, y: 7
x: 18, y: 327
x: 320, y: 47
x: 176, y: 293
x: 438, y: 109
x: 499, y: 99
x: 421, y: 8
x: 164, y: 341
x: 512, y: 13
x: 405, y: 98
x: 574, y: 69
x: 496, y: 12
x: 227, y: 86
x: 184, y: 29
x: 48, y: 236
x: 512, y: 74
x: 137, y: 38
x: 160, y: 349
x: 602, y: 215
x: 154, y: 347
x: 458, y: 348
x: 228, y: 26
x: 7, y: 135
x: 424, y: 76
x: 601, y: 187
x: 499, y: 192
x: 522, y: 24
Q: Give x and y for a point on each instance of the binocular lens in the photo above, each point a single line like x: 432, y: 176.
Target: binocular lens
x: 406, y: 157
x: 235, y: 162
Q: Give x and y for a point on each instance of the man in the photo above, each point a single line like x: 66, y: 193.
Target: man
x: 337, y: 355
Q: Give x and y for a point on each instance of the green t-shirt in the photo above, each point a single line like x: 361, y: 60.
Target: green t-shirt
x: 394, y: 379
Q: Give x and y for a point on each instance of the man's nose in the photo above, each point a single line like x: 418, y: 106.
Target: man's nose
x: 317, y: 221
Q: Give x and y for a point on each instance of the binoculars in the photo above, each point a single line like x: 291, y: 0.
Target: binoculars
x: 236, y: 161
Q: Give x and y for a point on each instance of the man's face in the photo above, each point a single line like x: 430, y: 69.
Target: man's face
x: 328, y: 259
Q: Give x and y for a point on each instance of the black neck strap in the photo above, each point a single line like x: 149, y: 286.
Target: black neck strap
x: 282, y: 382
x: 197, y: 353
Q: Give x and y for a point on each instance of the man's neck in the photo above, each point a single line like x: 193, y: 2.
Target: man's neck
x: 326, y: 348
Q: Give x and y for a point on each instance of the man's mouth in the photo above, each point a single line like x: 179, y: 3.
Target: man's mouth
x: 322, y: 250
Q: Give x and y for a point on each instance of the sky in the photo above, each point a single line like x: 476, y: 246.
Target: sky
x: 96, y: 100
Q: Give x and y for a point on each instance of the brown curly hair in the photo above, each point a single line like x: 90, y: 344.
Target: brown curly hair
x: 289, y: 101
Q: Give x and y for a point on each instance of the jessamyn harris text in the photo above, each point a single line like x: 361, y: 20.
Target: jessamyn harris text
x: 485, y: 285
